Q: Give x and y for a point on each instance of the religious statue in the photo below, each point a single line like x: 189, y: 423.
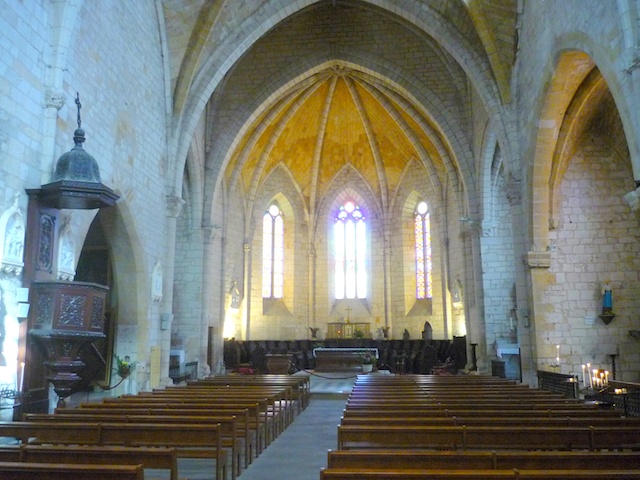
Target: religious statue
x: 235, y: 295
x: 406, y: 335
x: 607, y: 299
x: 607, y: 314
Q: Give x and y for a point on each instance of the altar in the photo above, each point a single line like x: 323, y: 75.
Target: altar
x: 348, y: 330
x: 341, y: 359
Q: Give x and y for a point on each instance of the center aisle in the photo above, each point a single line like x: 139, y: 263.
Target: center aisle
x: 301, y: 450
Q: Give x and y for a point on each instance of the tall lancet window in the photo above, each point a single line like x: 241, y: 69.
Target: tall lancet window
x: 272, y: 253
x: 350, y: 252
x: 422, y: 234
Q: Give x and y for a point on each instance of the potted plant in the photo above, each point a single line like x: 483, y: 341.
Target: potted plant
x: 125, y: 367
x: 368, y: 363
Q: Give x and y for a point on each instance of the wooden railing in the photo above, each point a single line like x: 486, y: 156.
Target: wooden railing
x: 190, y: 372
x: 561, y: 383
x: 624, y: 396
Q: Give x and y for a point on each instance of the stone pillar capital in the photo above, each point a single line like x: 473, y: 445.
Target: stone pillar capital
x: 54, y: 99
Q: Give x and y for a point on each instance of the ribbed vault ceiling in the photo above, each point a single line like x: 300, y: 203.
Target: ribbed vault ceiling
x: 338, y: 119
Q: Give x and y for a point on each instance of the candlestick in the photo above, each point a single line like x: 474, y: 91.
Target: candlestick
x: 606, y: 377
x: 590, y: 378
x: 584, y: 376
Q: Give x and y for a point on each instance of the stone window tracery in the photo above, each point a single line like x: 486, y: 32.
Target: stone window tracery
x: 273, y: 253
x: 422, y: 236
x: 350, y: 244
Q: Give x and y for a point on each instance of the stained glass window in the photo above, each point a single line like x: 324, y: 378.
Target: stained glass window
x: 422, y: 234
x: 350, y: 231
x: 273, y: 253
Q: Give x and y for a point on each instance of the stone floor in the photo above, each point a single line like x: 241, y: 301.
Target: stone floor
x: 301, y: 450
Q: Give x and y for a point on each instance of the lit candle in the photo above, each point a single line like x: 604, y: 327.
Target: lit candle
x: 558, y: 355
x: 595, y: 377
x: 584, y: 375
x: 606, y: 377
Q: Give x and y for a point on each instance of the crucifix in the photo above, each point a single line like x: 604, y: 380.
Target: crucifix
x: 348, y: 309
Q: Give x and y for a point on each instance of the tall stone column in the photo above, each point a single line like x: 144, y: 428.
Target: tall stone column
x: 174, y: 209
x: 208, y: 317
x: 311, y: 313
x: 474, y: 300
x: 446, y: 304
x: 387, y: 280
x: 247, y: 291
x: 525, y: 337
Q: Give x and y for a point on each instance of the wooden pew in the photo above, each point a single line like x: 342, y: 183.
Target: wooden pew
x: 487, y: 437
x: 190, y: 441
x: 230, y: 438
x: 281, y: 398
x: 57, y: 471
x: 270, y: 408
x: 463, y: 404
x: 385, y: 421
x: 301, y: 384
x: 430, y: 412
x: 75, y: 433
x: 341, y: 474
x: 248, y: 414
x: 480, y: 460
x: 155, y: 457
x: 249, y: 417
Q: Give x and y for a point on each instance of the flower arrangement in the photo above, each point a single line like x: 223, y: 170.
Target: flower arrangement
x: 125, y: 367
x: 368, y: 359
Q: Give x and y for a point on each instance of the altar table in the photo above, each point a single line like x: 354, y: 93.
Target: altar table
x: 348, y: 329
x: 341, y: 359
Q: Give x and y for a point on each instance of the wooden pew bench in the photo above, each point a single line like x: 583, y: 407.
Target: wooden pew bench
x: 284, y: 407
x: 343, y: 474
x: 247, y: 414
x: 190, y: 441
x: 266, y: 431
x: 487, y: 437
x: 480, y: 460
x: 301, y: 384
x: 381, y: 404
x: 228, y: 424
x: 270, y: 409
x: 74, y: 433
x: 155, y: 457
x: 430, y: 412
x: 385, y: 421
x: 57, y: 471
